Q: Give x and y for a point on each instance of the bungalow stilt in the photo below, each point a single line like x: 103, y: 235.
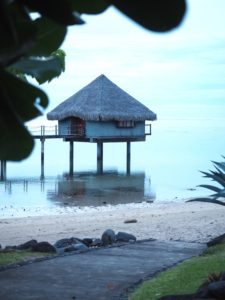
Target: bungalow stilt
x: 71, y: 158
x: 3, y: 170
x: 42, y: 158
x: 99, y: 158
x: 128, y: 157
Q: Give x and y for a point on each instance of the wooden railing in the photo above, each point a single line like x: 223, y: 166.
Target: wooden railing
x: 54, y: 131
x: 43, y: 130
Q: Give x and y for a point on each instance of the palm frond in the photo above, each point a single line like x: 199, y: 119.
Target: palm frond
x: 220, y: 165
x: 218, y: 176
x: 210, y: 187
x: 220, y: 194
x: 209, y: 200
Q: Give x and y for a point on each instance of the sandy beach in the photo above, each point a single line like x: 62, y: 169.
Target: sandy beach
x: 193, y: 222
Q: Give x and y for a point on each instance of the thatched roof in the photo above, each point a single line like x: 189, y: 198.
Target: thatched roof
x: 102, y: 100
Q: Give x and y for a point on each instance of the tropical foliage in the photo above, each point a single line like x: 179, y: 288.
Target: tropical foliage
x: 30, y: 33
x: 217, y: 175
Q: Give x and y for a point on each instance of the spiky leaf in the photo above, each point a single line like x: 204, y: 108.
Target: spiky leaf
x: 214, y: 201
x: 221, y: 165
x: 210, y: 187
x: 219, y: 177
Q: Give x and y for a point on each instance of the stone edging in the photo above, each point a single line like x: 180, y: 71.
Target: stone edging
x: 54, y: 256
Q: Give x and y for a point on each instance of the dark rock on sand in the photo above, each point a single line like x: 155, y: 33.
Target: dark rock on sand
x: 65, y: 242
x: 92, y: 242
x: 44, y: 247
x: 27, y: 245
x: 69, y: 245
x: 125, y: 237
x: 76, y: 247
x: 130, y: 221
x: 217, y: 289
x: 96, y: 243
x: 10, y: 248
x: 87, y: 242
x: 108, y: 237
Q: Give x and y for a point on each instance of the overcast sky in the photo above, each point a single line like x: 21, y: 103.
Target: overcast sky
x: 186, y: 65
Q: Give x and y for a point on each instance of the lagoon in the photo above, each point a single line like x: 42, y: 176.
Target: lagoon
x: 185, y: 139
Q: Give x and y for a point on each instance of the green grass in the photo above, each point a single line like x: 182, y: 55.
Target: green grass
x: 184, y: 278
x: 7, y: 258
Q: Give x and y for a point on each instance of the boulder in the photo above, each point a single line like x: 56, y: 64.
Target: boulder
x: 96, y: 243
x: 125, y: 237
x: 217, y: 289
x: 69, y: 249
x: 27, y: 245
x: 87, y: 242
x: 130, y: 221
x: 92, y: 242
x: 69, y: 245
x: 44, y: 247
x: 10, y: 248
x: 65, y: 242
x: 76, y: 247
x: 108, y: 237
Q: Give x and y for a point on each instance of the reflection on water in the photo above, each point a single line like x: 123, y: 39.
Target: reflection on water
x: 32, y: 196
x: 89, y: 189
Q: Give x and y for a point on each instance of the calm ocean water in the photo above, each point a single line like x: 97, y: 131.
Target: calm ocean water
x: 185, y: 139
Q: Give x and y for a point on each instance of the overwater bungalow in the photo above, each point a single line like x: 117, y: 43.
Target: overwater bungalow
x: 102, y: 112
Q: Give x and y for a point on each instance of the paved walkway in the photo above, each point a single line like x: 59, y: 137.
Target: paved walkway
x: 99, y: 274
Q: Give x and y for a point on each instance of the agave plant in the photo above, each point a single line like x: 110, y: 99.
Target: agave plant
x: 219, y: 192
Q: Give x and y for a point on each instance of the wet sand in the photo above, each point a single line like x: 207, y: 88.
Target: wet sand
x: 193, y: 222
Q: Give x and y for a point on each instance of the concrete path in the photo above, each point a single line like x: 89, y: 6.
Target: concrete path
x: 99, y: 274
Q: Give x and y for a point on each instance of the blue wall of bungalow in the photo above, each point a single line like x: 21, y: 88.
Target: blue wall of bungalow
x: 111, y: 129
x: 95, y: 129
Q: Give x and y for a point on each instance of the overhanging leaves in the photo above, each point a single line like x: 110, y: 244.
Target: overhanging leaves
x: 25, y: 99
x: 57, y: 10
x: 18, y: 105
x: 12, y: 49
x: 89, y: 6
x: 16, y: 142
x: 60, y: 54
x: 13, y: 132
x: 7, y: 30
x: 50, y: 36
x: 156, y: 15
x: 42, y: 69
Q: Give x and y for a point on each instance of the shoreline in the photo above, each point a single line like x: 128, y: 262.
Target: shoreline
x: 191, y: 222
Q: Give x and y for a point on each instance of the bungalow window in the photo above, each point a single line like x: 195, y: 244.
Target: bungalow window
x: 125, y: 124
